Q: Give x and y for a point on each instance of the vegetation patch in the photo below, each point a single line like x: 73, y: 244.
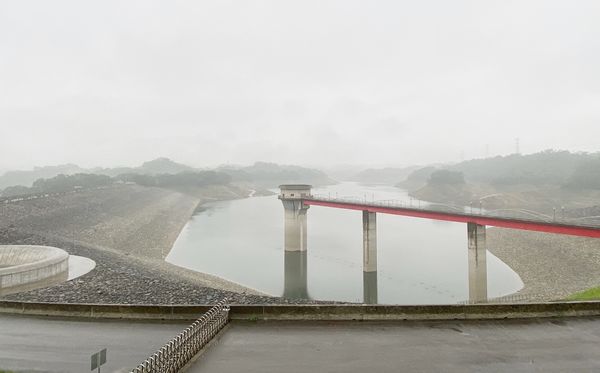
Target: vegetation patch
x: 590, y: 294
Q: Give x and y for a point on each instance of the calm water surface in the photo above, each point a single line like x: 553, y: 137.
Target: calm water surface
x: 419, y: 261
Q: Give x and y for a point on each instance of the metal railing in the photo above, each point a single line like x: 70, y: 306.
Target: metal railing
x: 511, y: 298
x: 521, y: 214
x: 180, y: 350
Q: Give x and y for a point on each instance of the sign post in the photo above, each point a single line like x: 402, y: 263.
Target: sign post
x: 98, y: 359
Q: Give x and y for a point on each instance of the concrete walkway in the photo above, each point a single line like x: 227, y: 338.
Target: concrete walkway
x: 570, y: 345
x: 51, y: 345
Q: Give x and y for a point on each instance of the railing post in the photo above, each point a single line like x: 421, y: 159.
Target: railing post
x: 178, y: 351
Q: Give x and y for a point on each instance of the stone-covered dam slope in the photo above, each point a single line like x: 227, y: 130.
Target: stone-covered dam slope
x: 127, y: 230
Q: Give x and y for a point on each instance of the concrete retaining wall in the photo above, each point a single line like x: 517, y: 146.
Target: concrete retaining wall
x: 308, y: 312
x: 26, y: 267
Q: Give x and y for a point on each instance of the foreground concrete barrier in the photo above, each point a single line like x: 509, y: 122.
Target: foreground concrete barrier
x: 308, y: 312
x: 25, y: 267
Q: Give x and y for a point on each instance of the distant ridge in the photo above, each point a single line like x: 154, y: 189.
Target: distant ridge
x: 263, y: 174
x: 28, y: 177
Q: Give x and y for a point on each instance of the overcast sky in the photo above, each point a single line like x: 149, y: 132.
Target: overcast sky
x: 109, y: 83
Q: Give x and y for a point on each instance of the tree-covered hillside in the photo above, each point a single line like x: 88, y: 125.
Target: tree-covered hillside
x: 550, y: 167
x: 547, y: 167
x: 543, y: 181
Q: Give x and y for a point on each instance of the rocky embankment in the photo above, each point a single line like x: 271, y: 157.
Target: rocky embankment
x: 551, y: 266
x: 127, y: 230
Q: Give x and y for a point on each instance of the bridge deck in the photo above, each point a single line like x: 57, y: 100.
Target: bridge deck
x: 558, y: 227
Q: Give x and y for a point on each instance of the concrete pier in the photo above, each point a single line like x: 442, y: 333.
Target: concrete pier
x: 294, y: 226
x: 477, y: 263
x: 369, y: 257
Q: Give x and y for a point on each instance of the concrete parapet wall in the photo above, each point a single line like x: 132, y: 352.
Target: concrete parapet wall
x: 308, y: 312
x: 24, y: 266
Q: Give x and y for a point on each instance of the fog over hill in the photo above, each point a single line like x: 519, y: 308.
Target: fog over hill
x: 387, y: 175
x: 544, y: 181
x: 161, y: 172
x: 550, y: 167
x: 28, y: 177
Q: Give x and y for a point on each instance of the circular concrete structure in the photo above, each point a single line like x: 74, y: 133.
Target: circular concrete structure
x: 29, y: 267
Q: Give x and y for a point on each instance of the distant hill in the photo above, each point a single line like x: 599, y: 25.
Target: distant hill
x: 26, y: 178
x: 388, y: 175
x: 417, y: 178
x: 163, y: 166
x: 547, y: 167
x: 59, y: 184
x: 161, y: 172
x: 550, y: 167
x: 270, y: 175
x: 540, y: 181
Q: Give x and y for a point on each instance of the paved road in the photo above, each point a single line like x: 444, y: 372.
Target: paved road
x: 571, y: 345
x: 53, y: 345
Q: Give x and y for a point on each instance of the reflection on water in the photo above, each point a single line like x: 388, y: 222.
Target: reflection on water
x: 419, y: 261
x: 295, y: 281
x: 370, y: 287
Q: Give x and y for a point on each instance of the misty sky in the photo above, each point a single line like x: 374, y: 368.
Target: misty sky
x: 320, y: 83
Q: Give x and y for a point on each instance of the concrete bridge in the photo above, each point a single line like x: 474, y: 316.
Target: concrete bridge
x: 297, y: 198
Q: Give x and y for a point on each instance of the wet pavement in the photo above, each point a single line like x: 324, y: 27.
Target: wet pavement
x: 53, y: 345
x: 563, y: 345
x: 556, y: 345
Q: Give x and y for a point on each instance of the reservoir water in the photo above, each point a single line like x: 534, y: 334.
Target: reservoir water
x: 419, y: 261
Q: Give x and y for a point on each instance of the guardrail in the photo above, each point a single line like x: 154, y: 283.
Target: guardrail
x: 521, y: 214
x: 507, y: 299
x: 180, y: 350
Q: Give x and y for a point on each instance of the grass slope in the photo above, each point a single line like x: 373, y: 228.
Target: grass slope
x: 590, y: 294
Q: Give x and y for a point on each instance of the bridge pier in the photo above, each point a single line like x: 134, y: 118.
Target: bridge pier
x: 294, y: 226
x: 477, y: 263
x: 369, y: 257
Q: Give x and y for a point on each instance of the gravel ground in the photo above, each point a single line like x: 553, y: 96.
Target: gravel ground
x: 551, y: 266
x: 127, y: 230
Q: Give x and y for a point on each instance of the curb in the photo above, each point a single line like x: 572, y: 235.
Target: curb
x: 308, y: 312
